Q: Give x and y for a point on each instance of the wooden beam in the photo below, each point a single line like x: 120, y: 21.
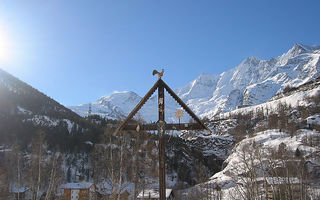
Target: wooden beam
x: 183, y: 105
x: 161, y: 132
x: 179, y: 101
x: 153, y: 127
x: 138, y: 107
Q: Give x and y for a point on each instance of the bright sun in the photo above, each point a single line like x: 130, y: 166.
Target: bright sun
x: 5, y: 47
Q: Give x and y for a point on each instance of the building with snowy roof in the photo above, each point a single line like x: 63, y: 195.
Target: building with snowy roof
x: 79, y: 191
x: 20, y: 193
x: 153, y: 194
x: 107, y: 195
x: 278, y: 186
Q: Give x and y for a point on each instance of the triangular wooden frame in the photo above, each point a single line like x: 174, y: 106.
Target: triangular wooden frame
x: 184, y: 126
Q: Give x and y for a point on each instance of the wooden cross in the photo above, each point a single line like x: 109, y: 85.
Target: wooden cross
x: 161, y: 125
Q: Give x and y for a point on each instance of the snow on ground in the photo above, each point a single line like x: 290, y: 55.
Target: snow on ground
x: 43, y: 120
x: 24, y: 111
x: 69, y: 124
x: 217, y: 145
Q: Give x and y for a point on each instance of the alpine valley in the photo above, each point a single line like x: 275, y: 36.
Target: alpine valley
x: 265, y: 142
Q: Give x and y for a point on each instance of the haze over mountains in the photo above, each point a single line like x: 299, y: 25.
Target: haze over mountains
x: 252, y: 82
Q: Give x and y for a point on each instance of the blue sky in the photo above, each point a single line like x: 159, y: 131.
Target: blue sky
x: 76, y: 51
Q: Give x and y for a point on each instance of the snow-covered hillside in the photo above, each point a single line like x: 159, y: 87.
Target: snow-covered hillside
x: 281, y: 152
x: 252, y: 82
x: 258, y: 153
x: 298, y: 98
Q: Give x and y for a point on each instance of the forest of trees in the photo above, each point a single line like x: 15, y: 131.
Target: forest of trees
x: 129, y: 158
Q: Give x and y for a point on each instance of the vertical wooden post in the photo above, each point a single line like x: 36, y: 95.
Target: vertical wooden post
x: 161, y: 131
x: 161, y: 126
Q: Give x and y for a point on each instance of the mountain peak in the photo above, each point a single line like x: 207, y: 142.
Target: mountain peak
x: 120, y: 96
x: 251, y: 60
x: 205, y: 78
x: 299, y: 48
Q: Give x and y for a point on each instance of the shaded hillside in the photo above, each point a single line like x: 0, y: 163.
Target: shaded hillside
x: 24, y: 111
x: 18, y: 97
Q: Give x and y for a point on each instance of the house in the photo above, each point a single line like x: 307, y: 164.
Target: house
x: 153, y: 194
x: 21, y: 193
x: 106, y: 189
x: 313, y: 121
x: 79, y: 191
x: 313, y: 168
x: 106, y: 195
x: 242, y: 106
x: 276, y: 187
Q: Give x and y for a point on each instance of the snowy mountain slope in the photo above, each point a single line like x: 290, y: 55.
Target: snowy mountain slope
x: 110, y: 106
x: 295, y: 99
x: 119, y: 105
x: 255, y: 81
x: 262, y: 144
x: 252, y: 82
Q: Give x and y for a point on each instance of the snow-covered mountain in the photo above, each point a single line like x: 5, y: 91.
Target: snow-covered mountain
x: 119, y: 104
x: 252, y: 82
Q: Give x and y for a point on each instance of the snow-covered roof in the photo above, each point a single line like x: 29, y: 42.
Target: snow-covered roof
x: 81, y: 185
x: 88, y: 143
x: 19, y: 190
x: 282, y: 180
x: 314, y: 119
x: 106, y: 187
x: 5, y: 150
x: 152, y: 193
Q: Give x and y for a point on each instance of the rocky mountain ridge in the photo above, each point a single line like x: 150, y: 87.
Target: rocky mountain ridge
x: 252, y: 82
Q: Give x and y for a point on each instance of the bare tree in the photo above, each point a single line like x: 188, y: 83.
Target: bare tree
x: 55, y: 176
x: 15, y: 168
x: 35, y: 171
x: 121, y: 165
x: 136, y: 165
x: 4, y: 183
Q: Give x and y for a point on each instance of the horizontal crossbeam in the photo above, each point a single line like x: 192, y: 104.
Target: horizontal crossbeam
x: 151, y: 127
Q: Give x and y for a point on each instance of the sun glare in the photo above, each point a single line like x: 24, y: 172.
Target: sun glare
x: 5, y: 47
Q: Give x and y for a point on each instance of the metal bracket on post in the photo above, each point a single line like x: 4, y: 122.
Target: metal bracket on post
x: 161, y: 126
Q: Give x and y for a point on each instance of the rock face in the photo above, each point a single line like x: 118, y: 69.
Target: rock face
x: 252, y: 82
